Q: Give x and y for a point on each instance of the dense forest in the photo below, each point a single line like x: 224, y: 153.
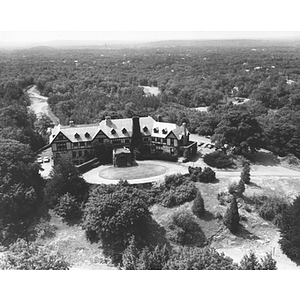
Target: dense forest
x: 85, y: 85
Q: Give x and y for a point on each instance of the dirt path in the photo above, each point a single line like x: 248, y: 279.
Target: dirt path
x: 40, y: 105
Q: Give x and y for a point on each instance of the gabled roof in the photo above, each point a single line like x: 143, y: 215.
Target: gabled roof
x: 164, y: 130
x: 76, y: 133
x: 120, y: 124
x: 115, y: 128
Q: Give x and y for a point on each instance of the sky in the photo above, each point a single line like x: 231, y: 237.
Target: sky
x: 41, y: 21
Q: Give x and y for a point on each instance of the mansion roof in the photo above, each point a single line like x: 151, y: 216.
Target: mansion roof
x: 116, y: 129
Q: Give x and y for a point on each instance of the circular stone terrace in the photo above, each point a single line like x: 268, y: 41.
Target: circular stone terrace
x: 144, y: 171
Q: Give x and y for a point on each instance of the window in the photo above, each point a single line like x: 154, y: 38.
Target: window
x: 172, y: 142
x: 113, y: 131
x: 127, y: 141
x: 87, y: 135
x: 164, y: 141
x: 116, y: 141
x: 165, y: 130
x: 74, y: 154
x: 88, y: 143
x: 156, y: 130
x: 76, y: 135
x: 79, y: 153
x: 145, y: 129
x: 101, y: 141
x: 86, y: 152
x: 172, y: 151
x: 146, y: 139
x: 124, y: 130
x: 61, y: 146
x: 153, y: 139
x: 75, y: 145
x: 81, y: 144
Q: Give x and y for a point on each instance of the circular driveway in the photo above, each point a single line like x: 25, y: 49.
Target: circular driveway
x: 104, y: 174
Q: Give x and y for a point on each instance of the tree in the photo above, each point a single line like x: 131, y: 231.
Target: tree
x: 290, y: 230
x: 115, y: 215
x: 32, y: 256
x: 198, y: 205
x: 238, y: 130
x: 21, y: 194
x: 231, y: 218
x: 245, y: 174
x: 149, y: 258
x: 65, y: 178
x: 251, y: 262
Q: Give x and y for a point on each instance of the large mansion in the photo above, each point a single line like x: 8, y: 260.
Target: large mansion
x: 79, y: 140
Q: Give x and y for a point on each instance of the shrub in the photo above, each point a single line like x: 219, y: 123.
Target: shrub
x: 194, y: 258
x: 251, y: 262
x: 68, y: 208
x: 32, y: 256
x: 207, y: 175
x: 272, y: 208
x: 44, y: 229
x: 237, y: 189
x: 245, y: 174
x: 174, y: 180
x: 185, y: 192
x: 231, y: 218
x: 198, y: 205
x: 185, y: 229
x: 290, y: 230
x: 218, y: 159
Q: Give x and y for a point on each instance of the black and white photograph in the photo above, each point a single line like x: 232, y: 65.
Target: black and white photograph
x: 158, y: 136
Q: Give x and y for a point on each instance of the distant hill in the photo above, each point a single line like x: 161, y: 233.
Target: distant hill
x: 225, y: 43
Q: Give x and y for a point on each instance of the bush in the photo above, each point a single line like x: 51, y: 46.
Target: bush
x: 251, y: 262
x: 237, y: 189
x: 44, y: 229
x: 185, y: 229
x: 185, y: 192
x: 148, y: 258
x: 198, y: 205
x: 218, y: 159
x: 32, y: 256
x: 206, y: 176
x: 245, y: 174
x: 193, y: 258
x: 272, y: 208
x: 174, y: 180
x: 290, y: 230
x: 68, y: 208
x: 162, y: 156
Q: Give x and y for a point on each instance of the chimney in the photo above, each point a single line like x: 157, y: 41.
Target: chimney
x: 159, y: 118
x: 108, y: 120
x: 71, y: 123
x: 136, y: 138
x: 184, y: 134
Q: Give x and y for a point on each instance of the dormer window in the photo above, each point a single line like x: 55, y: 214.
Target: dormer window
x: 145, y: 129
x: 76, y: 135
x: 156, y: 130
x: 112, y: 131
x: 165, y: 130
x: 124, y: 130
x: 87, y: 135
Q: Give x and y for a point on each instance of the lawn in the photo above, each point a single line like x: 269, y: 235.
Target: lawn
x: 134, y: 172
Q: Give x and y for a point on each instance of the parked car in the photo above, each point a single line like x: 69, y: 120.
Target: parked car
x: 40, y: 160
x: 46, y: 159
